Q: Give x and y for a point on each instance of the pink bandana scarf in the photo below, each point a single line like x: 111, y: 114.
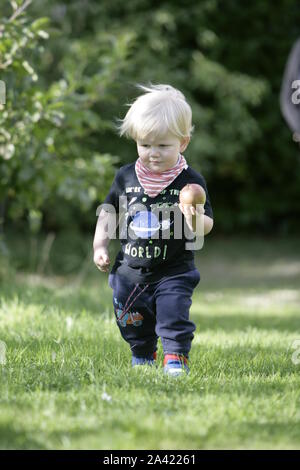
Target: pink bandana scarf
x: 154, y: 183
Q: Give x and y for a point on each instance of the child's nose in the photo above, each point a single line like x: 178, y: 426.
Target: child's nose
x: 154, y: 151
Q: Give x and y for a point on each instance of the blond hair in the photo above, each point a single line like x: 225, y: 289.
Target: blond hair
x: 161, y: 109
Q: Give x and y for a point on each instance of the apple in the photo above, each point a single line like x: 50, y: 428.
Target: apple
x: 192, y: 194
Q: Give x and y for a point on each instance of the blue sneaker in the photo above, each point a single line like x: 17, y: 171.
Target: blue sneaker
x: 175, y: 365
x: 142, y: 361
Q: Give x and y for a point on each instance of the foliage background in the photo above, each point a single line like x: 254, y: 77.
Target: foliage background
x: 70, y: 68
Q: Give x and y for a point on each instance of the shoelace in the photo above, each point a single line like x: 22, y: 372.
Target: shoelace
x: 125, y: 309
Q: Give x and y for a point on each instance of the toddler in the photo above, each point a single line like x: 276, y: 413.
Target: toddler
x: 154, y: 274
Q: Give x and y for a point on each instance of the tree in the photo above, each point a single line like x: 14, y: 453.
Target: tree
x: 47, y: 138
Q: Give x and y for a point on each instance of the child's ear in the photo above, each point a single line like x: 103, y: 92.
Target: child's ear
x: 184, y: 143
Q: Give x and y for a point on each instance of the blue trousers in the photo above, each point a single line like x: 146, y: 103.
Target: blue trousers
x: 145, y: 312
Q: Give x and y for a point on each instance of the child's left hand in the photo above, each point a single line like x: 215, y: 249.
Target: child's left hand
x: 189, y: 211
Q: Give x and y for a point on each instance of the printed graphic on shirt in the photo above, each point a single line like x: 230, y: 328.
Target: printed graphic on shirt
x: 154, y: 223
x: 146, y: 252
x: 146, y: 224
x: 133, y: 189
x: 152, y: 244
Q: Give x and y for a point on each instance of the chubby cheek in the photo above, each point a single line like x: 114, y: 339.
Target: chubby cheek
x: 144, y: 157
x: 143, y: 154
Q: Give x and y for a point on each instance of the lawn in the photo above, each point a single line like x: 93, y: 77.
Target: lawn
x: 66, y: 380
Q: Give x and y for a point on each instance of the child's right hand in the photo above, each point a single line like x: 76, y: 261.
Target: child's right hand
x: 101, y: 259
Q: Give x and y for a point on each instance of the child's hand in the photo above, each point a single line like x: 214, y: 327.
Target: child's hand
x: 101, y: 259
x: 189, y: 211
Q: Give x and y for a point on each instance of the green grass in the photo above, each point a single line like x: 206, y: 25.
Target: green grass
x: 67, y: 382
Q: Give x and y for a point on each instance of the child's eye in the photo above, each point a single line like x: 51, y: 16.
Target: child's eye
x: 147, y: 145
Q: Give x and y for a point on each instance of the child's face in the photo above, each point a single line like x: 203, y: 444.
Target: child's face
x: 161, y: 153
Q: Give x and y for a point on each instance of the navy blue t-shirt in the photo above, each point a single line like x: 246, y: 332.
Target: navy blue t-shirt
x: 152, y: 231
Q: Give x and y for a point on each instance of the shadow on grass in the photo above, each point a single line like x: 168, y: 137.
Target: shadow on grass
x: 71, y: 364
x: 247, y: 435
x: 249, y: 262
x: 231, y: 323
x: 11, y: 439
x: 75, y: 300
x: 210, y: 284
x: 285, y: 432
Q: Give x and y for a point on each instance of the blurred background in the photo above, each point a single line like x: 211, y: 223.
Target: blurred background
x: 70, y: 68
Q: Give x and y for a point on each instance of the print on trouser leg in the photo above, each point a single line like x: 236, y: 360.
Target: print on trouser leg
x: 162, y: 310
x: 137, y: 326
x: 173, y: 302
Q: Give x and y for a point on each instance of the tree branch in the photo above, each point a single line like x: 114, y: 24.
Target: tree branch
x: 20, y: 10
